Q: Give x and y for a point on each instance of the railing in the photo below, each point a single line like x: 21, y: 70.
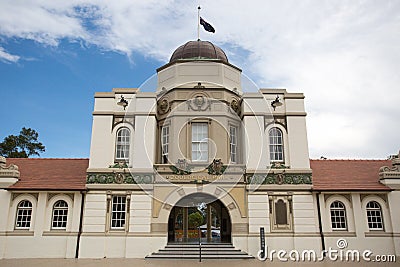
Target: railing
x: 199, y: 244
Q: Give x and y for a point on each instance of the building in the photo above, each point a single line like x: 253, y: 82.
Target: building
x: 197, y: 158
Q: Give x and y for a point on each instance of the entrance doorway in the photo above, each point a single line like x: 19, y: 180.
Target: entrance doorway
x: 199, y: 216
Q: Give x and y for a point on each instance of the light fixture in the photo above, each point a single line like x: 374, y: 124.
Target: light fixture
x: 276, y: 103
x: 123, y: 102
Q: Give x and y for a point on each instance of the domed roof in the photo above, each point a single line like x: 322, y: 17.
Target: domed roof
x: 199, y: 50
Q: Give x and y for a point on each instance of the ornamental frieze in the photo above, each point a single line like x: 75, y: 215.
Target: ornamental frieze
x: 118, y: 178
x: 280, y: 178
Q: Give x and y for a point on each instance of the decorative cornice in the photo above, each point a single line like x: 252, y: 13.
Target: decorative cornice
x: 393, y: 172
x: 10, y: 171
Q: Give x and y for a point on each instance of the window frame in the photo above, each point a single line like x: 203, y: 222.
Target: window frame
x: 19, y: 217
x: 371, y: 209
x: 287, y: 200
x: 65, y: 209
x: 124, y: 144
x: 233, y: 144
x: 110, y: 213
x: 276, y: 149
x: 343, y: 216
x: 165, y: 133
x: 200, y: 142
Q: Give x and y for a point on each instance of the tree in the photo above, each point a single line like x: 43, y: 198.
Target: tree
x: 24, y: 145
x: 195, y: 220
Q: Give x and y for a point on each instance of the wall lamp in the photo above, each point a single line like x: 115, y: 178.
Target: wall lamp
x: 123, y: 102
x: 276, y: 103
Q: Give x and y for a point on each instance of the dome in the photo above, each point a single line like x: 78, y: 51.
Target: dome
x: 199, y: 50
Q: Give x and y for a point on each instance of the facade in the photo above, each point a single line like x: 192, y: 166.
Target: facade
x: 197, y: 158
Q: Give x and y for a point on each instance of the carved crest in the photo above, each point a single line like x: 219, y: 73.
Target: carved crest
x: 181, y: 167
x: 235, y: 105
x: 216, y: 167
x: 163, y: 106
x: 199, y: 103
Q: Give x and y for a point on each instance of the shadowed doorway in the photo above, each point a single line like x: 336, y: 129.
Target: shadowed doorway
x: 199, y: 215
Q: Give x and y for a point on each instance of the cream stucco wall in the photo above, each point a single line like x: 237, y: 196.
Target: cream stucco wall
x: 39, y: 241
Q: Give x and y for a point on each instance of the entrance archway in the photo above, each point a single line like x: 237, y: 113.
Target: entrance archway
x: 199, y: 216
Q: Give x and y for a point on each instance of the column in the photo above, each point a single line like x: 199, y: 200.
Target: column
x: 209, y: 235
x: 185, y: 223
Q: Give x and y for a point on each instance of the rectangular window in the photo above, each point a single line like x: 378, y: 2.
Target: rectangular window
x: 164, y: 144
x: 118, y: 212
x: 233, y: 143
x: 199, y: 141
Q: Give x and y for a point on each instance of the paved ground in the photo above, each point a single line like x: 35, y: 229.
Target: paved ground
x: 173, y: 263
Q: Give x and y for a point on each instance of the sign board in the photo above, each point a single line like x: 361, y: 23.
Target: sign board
x: 262, y: 241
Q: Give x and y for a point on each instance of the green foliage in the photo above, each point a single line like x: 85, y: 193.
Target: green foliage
x: 195, y: 220
x: 24, y: 145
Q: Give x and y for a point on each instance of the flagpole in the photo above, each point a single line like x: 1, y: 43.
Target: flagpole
x: 198, y: 23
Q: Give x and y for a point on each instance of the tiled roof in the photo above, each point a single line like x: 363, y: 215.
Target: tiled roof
x: 70, y: 174
x: 50, y: 174
x: 347, y: 174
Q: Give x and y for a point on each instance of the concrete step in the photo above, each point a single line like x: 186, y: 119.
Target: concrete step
x: 208, y: 252
x: 196, y: 257
x: 192, y: 251
x: 196, y: 249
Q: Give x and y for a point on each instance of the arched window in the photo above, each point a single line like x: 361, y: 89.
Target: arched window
x: 24, y: 215
x: 374, y: 216
x: 60, y: 215
x: 338, y: 216
x: 123, y: 144
x: 275, y: 144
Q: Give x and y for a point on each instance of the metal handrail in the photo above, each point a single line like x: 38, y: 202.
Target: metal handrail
x: 199, y: 244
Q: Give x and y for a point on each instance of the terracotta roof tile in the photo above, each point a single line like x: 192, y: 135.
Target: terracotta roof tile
x: 70, y: 174
x: 50, y: 174
x: 347, y: 174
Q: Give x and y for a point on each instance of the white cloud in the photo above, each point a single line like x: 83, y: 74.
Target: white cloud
x: 343, y: 55
x: 7, y: 57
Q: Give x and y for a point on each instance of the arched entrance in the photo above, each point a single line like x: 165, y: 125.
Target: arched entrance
x: 199, y: 215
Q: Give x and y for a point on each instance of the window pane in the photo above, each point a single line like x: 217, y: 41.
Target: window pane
x: 164, y: 143
x: 199, y: 141
x: 60, y: 215
x: 123, y: 144
x: 24, y: 214
x: 276, y: 144
x: 374, y: 216
x: 338, y: 216
x: 118, y: 212
x: 233, y: 143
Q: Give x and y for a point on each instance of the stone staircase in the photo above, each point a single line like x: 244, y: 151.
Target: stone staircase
x: 192, y: 251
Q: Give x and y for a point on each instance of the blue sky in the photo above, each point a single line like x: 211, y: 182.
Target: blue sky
x: 52, y: 90
x: 343, y: 55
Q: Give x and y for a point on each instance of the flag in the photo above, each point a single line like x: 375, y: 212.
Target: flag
x: 207, y: 26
